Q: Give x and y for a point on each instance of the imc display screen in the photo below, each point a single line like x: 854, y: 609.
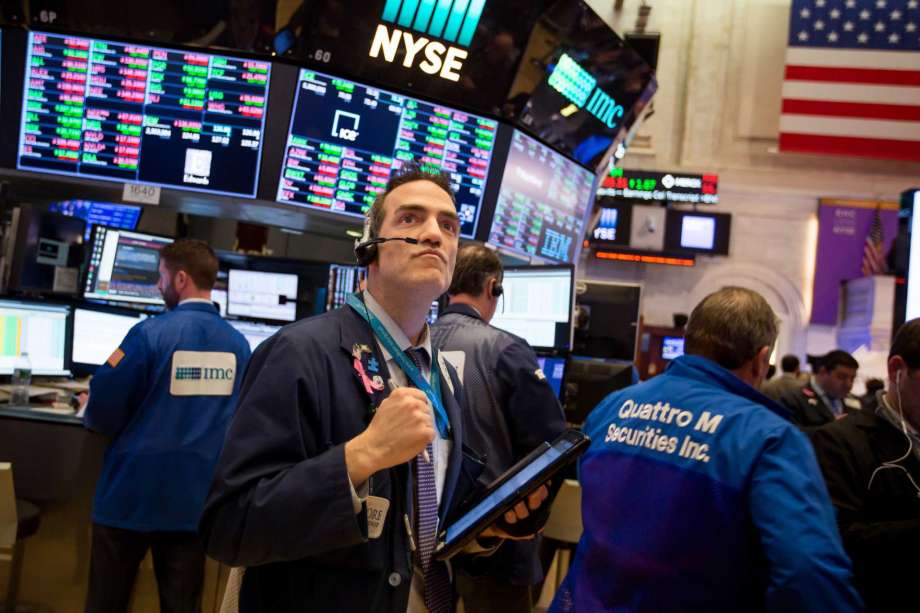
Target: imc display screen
x: 579, y: 87
x: 537, y: 305
x: 121, y: 216
x: 542, y: 203
x: 142, y: 114
x: 37, y: 329
x: 346, y: 138
x: 124, y: 267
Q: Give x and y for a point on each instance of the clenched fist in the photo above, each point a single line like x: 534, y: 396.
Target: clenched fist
x: 401, y: 428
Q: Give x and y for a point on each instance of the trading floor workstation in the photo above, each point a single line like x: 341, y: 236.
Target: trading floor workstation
x: 114, y: 147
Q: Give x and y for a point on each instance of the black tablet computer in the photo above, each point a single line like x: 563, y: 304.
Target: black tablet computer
x: 509, y: 489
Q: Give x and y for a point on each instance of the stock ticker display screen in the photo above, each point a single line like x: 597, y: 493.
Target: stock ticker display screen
x: 346, y: 138
x: 542, y: 203
x: 138, y: 113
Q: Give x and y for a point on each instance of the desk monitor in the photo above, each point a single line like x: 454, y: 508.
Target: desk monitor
x: 97, y: 333
x: 672, y: 347
x: 124, y: 266
x: 553, y: 368
x: 254, y: 332
x: 543, y: 202
x: 537, y: 305
x: 41, y: 330
x: 118, y: 216
x: 262, y: 295
x: 345, y: 139
x: 138, y: 113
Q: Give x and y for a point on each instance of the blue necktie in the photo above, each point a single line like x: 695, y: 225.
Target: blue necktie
x: 438, y: 597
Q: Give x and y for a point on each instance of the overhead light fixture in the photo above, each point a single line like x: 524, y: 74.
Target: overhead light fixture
x: 569, y: 110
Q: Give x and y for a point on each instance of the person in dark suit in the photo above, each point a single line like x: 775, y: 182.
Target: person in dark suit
x: 871, y: 464
x: 787, y: 382
x: 329, y: 489
x: 510, y: 410
x: 826, y: 396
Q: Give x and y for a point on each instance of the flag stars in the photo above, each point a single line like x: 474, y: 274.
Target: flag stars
x: 879, y: 26
x: 894, y: 38
x: 805, y: 13
x: 895, y: 15
x: 865, y: 15
x: 913, y: 4
x: 835, y: 13
x: 851, y: 4
x: 848, y: 26
x: 880, y: 4
x: 820, y: 3
x: 911, y: 27
x: 819, y: 25
x: 832, y: 37
x: 803, y: 36
x: 863, y: 38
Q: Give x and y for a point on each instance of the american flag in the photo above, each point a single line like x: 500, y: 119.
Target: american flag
x: 873, y: 259
x: 852, y: 83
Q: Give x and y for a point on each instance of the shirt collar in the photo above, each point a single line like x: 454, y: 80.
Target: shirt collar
x: 192, y: 300
x: 820, y: 391
x: 402, y: 341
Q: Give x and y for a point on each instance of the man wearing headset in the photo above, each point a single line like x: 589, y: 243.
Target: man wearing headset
x: 346, y: 453
x: 871, y: 463
x: 510, y: 409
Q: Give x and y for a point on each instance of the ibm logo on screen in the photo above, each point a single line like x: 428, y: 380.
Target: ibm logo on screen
x: 453, y: 21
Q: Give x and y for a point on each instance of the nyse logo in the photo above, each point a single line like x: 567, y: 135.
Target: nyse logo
x: 454, y: 21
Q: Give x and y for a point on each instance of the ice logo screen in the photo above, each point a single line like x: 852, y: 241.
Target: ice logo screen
x: 432, y: 22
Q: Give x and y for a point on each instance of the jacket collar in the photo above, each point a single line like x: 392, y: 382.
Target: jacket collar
x: 206, y: 307
x: 706, y: 371
x: 462, y: 309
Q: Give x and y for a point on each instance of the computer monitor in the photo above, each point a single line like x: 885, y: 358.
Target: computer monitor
x: 537, y: 305
x: 343, y: 280
x: 607, y: 320
x: 695, y: 232
x: 39, y: 329
x: 118, y: 216
x: 139, y: 113
x: 589, y: 381
x: 47, y: 252
x: 543, y: 202
x: 124, y: 266
x: 254, y: 332
x: 262, y: 295
x: 672, y: 347
x: 346, y: 138
x: 553, y: 368
x: 97, y: 333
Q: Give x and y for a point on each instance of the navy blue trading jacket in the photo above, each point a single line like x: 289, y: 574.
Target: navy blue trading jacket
x: 165, y: 397
x: 281, y: 502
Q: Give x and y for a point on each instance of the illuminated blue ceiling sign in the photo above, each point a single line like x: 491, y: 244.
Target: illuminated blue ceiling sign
x: 580, y: 88
x: 453, y: 21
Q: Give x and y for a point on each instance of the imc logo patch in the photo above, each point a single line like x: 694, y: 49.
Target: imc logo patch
x: 453, y: 21
x: 202, y: 373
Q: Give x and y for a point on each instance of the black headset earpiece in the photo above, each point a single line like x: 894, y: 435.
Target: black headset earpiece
x: 365, y: 251
x: 497, y: 289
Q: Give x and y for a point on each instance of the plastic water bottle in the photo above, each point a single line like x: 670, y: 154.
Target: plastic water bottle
x: 22, y: 379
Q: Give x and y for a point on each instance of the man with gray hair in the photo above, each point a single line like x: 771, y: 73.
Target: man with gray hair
x: 699, y: 494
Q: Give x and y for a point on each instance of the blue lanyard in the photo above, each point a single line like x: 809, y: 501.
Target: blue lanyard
x: 432, y: 390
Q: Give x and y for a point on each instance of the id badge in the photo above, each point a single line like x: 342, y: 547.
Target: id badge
x: 377, y: 508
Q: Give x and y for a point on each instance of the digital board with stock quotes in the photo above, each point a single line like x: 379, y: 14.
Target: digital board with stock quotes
x: 137, y: 113
x: 346, y: 138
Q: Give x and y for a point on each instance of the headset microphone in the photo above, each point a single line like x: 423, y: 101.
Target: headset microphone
x: 366, y: 251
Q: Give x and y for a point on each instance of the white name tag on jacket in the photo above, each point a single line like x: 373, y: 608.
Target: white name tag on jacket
x: 202, y: 373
